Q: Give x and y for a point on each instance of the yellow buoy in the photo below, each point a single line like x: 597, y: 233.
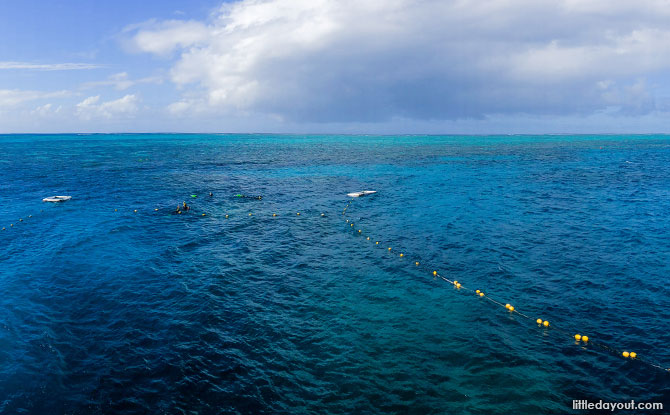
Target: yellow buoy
x: 377, y: 243
x: 458, y: 285
x: 359, y: 231
x: 539, y: 321
x: 455, y: 282
x: 585, y: 338
x: 179, y: 212
x: 389, y: 248
x: 402, y: 255
x: 155, y: 210
x: 135, y: 210
x: 298, y: 213
x: 226, y: 216
x: 633, y: 355
x: 274, y: 214
x: 507, y: 306
x: 511, y: 308
x: 435, y: 273
x: 417, y: 263
x: 477, y: 291
x: 545, y: 323
x: 352, y: 225
x: 578, y: 337
x: 203, y: 214
x: 250, y: 214
x: 625, y: 354
x: 481, y: 294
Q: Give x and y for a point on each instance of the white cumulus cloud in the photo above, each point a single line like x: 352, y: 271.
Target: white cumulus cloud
x: 350, y: 60
x: 46, y: 110
x: 91, y: 107
x: 164, y: 37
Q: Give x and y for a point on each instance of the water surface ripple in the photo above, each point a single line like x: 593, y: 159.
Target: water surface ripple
x: 117, y: 312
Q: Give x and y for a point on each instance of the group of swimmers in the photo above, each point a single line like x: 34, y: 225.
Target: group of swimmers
x: 183, y: 208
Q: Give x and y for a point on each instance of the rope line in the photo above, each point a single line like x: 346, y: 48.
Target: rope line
x: 18, y: 222
x: 579, y: 339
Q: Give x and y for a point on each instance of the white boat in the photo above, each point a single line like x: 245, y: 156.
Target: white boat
x: 56, y: 198
x: 363, y: 193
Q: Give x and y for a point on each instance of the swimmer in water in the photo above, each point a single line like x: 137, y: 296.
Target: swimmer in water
x: 249, y: 197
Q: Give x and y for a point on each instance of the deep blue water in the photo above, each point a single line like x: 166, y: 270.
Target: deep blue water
x: 107, y: 310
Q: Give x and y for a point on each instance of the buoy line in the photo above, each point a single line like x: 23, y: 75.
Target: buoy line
x: 15, y: 223
x: 226, y: 215
x: 52, y: 199
x: 580, y: 339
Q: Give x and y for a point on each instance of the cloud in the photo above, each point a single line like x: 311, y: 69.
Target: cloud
x: 91, y: 107
x: 46, y: 110
x: 162, y: 38
x: 344, y: 61
x: 10, y: 98
x: 48, y: 66
x: 121, y: 81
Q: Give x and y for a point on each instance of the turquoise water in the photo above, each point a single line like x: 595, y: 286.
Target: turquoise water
x: 107, y: 310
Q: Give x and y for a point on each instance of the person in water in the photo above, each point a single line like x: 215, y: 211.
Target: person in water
x: 211, y: 194
x: 186, y: 207
x: 249, y: 197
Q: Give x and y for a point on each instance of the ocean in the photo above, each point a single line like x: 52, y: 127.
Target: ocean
x: 111, y: 303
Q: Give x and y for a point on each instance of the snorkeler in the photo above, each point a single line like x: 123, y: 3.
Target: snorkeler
x: 249, y: 197
x: 186, y: 207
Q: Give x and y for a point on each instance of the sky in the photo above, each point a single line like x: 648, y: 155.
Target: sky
x: 335, y: 66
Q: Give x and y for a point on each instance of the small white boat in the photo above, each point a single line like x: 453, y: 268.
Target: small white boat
x: 56, y: 198
x: 363, y: 193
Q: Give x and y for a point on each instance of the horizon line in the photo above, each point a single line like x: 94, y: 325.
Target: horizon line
x: 348, y: 133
